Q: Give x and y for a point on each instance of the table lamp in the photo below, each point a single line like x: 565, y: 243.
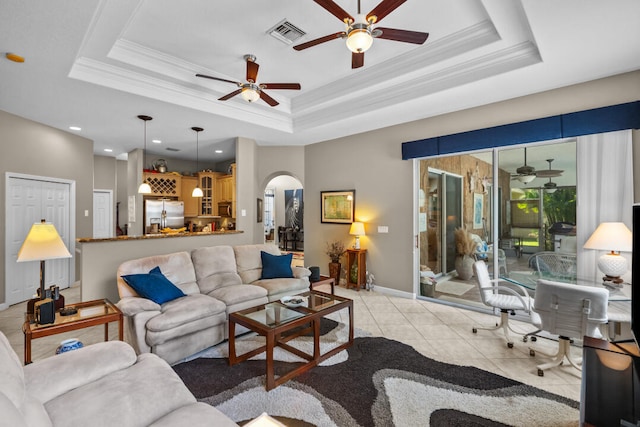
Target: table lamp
x: 614, y: 237
x: 42, y: 243
x: 357, y: 229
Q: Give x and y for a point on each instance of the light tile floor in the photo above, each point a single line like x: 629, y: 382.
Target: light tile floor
x: 438, y: 331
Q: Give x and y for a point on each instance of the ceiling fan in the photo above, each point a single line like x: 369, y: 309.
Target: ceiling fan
x: 251, y: 90
x: 360, y: 31
x: 551, y: 187
x: 526, y: 173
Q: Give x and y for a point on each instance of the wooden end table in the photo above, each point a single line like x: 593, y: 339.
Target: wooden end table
x: 90, y: 313
x: 324, y: 280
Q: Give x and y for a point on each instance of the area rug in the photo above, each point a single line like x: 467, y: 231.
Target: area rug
x: 453, y: 288
x: 382, y: 382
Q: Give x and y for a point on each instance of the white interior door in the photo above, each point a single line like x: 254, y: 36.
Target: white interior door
x: 27, y: 202
x: 102, y: 214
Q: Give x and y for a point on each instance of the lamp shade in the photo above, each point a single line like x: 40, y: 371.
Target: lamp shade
x: 357, y: 229
x: 359, y: 40
x: 249, y: 94
x: 43, y: 242
x: 525, y: 179
x: 611, y: 236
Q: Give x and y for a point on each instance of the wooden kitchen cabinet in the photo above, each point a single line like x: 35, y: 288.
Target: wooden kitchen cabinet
x: 208, y: 203
x: 164, y: 184
x: 190, y: 203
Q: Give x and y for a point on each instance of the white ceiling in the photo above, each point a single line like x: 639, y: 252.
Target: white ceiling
x: 98, y: 64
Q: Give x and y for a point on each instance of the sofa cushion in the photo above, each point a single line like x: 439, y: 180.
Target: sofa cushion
x: 283, y: 286
x: 276, y: 266
x: 177, y: 267
x: 135, y: 396
x: 215, y: 267
x: 232, y: 295
x: 154, y: 286
x: 249, y: 261
x: 185, y: 310
x: 12, y: 383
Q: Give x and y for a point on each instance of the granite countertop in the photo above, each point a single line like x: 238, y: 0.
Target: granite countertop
x: 156, y: 236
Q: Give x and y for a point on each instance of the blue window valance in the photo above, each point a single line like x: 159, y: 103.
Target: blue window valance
x: 597, y: 120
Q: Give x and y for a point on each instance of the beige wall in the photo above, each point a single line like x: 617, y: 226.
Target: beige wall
x: 32, y: 148
x: 371, y: 164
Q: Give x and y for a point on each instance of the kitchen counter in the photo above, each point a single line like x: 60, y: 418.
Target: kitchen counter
x: 157, y: 236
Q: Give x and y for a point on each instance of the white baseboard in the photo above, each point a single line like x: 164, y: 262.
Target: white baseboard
x: 393, y: 292
x: 3, y: 306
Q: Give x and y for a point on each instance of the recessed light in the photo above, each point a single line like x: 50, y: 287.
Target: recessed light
x: 156, y: 141
x: 108, y: 150
x: 75, y: 128
x: 219, y: 151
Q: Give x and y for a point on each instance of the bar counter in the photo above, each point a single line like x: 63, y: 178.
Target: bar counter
x: 97, y: 260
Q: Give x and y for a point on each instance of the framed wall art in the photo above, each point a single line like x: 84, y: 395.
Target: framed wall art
x: 478, y: 209
x: 338, y: 207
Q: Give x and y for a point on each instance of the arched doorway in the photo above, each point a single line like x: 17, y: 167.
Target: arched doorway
x: 283, y: 213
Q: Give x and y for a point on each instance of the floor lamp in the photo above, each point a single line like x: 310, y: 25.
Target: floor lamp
x: 42, y: 243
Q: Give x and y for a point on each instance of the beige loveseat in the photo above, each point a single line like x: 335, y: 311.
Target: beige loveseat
x: 103, y: 384
x: 216, y: 280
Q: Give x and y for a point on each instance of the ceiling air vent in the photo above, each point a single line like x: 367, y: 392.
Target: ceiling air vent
x: 286, y: 32
x: 172, y: 149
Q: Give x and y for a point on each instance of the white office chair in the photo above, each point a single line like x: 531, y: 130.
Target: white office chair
x: 507, y: 302
x: 569, y: 311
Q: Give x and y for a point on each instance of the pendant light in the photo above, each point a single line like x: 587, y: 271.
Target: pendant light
x: 197, y: 192
x: 144, y: 188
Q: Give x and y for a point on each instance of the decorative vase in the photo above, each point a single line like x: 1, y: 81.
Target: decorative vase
x: 68, y: 345
x: 464, y: 267
x: 334, y: 271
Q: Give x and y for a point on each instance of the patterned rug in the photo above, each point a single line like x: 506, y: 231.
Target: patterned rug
x: 380, y: 382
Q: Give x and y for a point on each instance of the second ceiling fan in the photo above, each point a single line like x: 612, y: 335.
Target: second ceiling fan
x: 360, y: 31
x: 251, y: 90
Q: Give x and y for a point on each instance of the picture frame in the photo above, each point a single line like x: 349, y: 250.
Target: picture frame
x: 259, y: 210
x: 478, y: 210
x: 338, y: 207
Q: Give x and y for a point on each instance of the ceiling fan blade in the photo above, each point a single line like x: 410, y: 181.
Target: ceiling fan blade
x: 252, y: 71
x: 292, y: 86
x: 230, y: 95
x: 219, y: 79
x: 324, y: 39
x: 383, y: 9
x: 269, y: 100
x: 415, y: 37
x: 335, y: 10
x: 549, y: 173
x: 357, y: 59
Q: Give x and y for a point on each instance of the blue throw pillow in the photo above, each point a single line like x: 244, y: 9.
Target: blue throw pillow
x: 276, y: 266
x: 154, y: 286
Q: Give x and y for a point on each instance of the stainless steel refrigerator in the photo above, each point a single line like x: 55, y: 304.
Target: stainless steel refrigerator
x: 165, y: 213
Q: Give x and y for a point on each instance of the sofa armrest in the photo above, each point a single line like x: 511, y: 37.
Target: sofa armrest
x: 301, y: 272
x: 130, y: 306
x: 54, y: 376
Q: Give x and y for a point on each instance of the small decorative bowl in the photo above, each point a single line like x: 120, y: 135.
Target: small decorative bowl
x: 68, y: 345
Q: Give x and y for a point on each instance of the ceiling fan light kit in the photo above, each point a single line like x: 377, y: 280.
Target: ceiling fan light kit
x: 360, y: 32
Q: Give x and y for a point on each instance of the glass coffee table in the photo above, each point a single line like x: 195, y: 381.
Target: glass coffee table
x: 277, y: 321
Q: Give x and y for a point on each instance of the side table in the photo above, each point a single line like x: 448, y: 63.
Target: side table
x: 356, y: 268
x: 90, y: 313
x: 324, y: 280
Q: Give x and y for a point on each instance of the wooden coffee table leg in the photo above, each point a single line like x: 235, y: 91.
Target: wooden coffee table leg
x: 27, y: 348
x: 106, y: 331
x: 271, y: 382
x: 232, y: 342
x: 316, y: 338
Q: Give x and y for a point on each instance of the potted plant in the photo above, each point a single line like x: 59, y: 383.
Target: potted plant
x: 335, y: 250
x: 465, y: 248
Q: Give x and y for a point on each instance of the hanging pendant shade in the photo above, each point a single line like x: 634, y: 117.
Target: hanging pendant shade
x: 197, y: 192
x: 144, y: 188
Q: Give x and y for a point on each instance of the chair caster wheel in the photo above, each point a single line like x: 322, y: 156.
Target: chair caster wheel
x: 532, y: 353
x: 524, y: 339
x: 540, y: 373
x: 510, y: 344
x: 534, y: 339
x: 474, y: 330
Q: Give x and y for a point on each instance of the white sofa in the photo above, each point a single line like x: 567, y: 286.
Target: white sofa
x: 216, y: 280
x: 103, y: 384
